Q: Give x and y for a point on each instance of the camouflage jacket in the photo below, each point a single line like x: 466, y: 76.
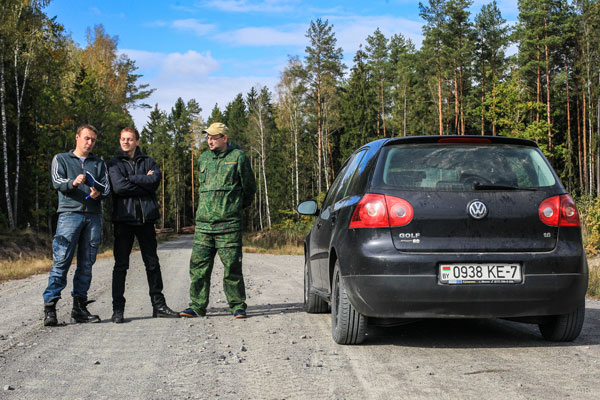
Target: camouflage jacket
x: 226, y: 187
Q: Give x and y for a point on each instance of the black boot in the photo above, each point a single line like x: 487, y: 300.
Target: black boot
x: 80, y: 312
x: 161, y: 310
x: 50, y: 314
x: 118, y: 317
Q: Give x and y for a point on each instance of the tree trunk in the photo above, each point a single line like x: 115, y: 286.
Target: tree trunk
x: 585, y: 151
x: 456, y: 105
x: 579, y: 159
x: 597, y: 142
x: 296, y: 162
x: 383, y: 110
x: 569, y: 138
x: 482, y: 96
x: 320, y: 134
x: 539, y: 84
x: 405, y: 109
x: 9, y: 206
x: 162, y: 217
x: 548, y: 115
x: 263, y: 156
x: 440, y: 118
x: 19, y: 92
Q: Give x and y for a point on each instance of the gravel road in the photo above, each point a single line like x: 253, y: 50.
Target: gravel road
x: 279, y: 352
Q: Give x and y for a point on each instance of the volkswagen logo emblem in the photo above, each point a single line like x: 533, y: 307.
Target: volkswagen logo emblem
x: 477, y: 209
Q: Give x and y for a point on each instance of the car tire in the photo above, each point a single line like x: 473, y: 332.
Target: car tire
x: 565, y: 327
x: 348, y: 326
x: 313, y: 304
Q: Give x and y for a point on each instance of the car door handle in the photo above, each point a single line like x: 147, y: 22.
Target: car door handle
x: 333, y: 219
x: 319, y: 225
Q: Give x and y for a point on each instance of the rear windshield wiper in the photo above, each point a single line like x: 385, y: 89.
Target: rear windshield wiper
x: 490, y: 186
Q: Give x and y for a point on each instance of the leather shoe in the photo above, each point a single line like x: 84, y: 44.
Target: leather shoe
x: 117, y: 317
x: 163, y: 311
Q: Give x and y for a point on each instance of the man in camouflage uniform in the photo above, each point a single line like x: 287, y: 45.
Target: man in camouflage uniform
x: 226, y: 187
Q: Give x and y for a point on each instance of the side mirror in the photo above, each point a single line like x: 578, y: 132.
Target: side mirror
x: 308, y: 207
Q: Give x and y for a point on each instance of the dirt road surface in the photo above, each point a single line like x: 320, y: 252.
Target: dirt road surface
x: 279, y: 352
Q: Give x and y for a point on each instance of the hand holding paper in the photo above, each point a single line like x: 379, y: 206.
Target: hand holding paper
x: 95, y: 186
x: 92, y: 182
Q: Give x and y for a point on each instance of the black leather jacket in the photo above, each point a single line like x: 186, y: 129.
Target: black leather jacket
x: 134, y: 192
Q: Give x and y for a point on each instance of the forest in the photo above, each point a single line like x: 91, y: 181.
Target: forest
x: 473, y: 74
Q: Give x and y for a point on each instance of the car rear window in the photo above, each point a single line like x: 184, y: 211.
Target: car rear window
x: 459, y: 167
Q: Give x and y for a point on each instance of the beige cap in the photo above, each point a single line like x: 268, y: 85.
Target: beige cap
x: 217, y: 128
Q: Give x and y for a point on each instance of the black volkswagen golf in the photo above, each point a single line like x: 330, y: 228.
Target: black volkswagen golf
x: 446, y: 227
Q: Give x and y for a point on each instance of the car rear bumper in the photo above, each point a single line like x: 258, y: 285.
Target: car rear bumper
x: 386, y: 283
x: 386, y: 296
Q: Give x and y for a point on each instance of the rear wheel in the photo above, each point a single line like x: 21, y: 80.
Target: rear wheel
x: 348, y: 326
x: 312, y: 303
x: 563, y: 328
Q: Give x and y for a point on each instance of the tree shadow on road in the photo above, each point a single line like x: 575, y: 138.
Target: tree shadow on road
x: 477, y: 333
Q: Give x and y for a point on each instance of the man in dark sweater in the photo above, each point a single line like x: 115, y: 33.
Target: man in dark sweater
x: 135, y: 177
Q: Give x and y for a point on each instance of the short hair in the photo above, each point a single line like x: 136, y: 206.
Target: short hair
x: 87, y: 126
x: 131, y: 129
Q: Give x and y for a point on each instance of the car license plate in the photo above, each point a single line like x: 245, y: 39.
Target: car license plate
x: 460, y: 274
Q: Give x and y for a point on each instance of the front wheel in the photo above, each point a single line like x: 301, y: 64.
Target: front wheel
x: 313, y: 303
x: 565, y: 327
x: 348, y: 326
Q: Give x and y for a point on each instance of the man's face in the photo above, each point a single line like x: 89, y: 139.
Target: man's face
x: 217, y: 142
x: 129, y: 142
x: 85, y: 141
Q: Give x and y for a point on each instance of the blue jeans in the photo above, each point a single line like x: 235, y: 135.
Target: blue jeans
x: 74, y: 230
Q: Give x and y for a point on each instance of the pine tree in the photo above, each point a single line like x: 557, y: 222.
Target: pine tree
x: 490, y: 43
x: 215, y: 115
x: 378, y: 63
x: 324, y: 68
x: 433, y: 47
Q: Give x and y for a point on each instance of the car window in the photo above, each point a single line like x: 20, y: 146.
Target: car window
x: 334, y: 188
x: 349, y: 176
x: 458, y: 167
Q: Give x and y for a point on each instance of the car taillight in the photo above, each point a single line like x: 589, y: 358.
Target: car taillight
x: 378, y: 210
x: 559, y: 211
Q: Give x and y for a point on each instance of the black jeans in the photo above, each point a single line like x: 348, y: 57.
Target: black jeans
x: 146, y: 236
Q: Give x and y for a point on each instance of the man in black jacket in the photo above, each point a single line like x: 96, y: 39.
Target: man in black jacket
x: 135, y: 177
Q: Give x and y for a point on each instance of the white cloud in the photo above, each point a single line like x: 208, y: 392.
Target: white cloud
x: 174, y: 65
x: 188, y: 75
x: 245, y: 6
x: 292, y: 35
x: 193, y: 25
x: 206, y: 92
x: 188, y: 65
x: 350, y: 31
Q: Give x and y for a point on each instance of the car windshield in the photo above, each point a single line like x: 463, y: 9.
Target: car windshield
x: 459, y: 167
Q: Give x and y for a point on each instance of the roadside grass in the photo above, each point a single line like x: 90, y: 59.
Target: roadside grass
x: 277, y: 242
x: 25, y: 266
x: 594, y: 282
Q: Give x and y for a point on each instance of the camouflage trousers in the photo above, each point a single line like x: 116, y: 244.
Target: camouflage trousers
x: 229, y: 247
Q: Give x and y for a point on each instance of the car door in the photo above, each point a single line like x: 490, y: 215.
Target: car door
x: 321, y: 234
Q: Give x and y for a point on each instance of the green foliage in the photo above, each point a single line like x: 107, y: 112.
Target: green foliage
x: 589, y: 212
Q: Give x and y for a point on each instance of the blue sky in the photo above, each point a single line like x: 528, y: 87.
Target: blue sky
x: 211, y: 50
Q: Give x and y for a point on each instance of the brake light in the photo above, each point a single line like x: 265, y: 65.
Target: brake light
x: 380, y: 211
x: 559, y: 211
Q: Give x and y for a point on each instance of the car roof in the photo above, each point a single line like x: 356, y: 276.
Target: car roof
x: 458, y: 139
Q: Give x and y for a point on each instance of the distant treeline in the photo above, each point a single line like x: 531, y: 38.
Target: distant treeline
x: 460, y: 81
